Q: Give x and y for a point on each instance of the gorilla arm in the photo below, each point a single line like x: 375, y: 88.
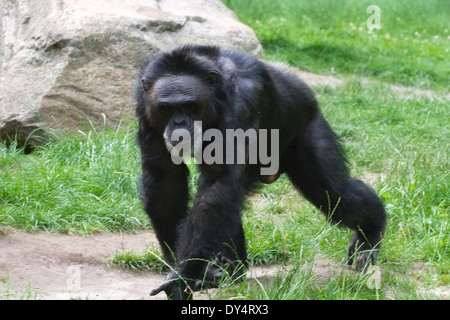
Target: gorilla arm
x: 208, y: 231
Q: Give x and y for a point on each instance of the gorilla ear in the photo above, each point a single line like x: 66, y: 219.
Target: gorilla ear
x: 213, y: 78
x: 144, y: 83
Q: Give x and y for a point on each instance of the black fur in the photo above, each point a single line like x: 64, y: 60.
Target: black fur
x: 234, y: 90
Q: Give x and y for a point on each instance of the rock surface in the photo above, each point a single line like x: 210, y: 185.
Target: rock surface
x: 68, y: 63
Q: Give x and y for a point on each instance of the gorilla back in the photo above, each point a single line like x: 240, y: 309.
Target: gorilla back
x: 230, y: 91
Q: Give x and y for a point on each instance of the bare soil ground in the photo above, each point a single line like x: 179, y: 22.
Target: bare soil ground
x: 61, y: 266
x: 402, y: 92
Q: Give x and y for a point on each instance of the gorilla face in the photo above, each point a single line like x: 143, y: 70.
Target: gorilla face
x: 178, y: 102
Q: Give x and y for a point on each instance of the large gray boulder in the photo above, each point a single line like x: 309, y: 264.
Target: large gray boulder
x: 65, y: 63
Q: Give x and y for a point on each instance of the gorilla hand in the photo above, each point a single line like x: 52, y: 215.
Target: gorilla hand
x: 175, y: 287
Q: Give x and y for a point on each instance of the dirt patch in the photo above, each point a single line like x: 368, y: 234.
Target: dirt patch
x: 62, y: 266
x: 313, y: 79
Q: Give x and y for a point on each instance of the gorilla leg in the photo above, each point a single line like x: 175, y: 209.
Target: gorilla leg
x: 232, y: 258
x: 215, y: 225
x: 212, y: 232
x: 315, y: 165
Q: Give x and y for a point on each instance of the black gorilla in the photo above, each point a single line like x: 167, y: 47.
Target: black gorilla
x: 230, y: 90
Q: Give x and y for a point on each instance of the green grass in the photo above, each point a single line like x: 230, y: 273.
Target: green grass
x: 412, y: 47
x: 9, y: 292
x: 79, y: 184
x: 150, y: 259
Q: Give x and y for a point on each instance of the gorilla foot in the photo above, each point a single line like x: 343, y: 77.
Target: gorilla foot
x: 177, y: 287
